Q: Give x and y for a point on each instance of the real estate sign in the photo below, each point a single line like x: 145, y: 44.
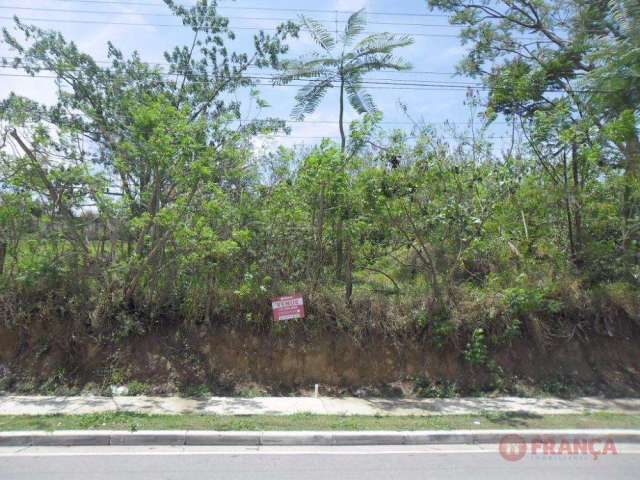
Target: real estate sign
x: 288, y: 308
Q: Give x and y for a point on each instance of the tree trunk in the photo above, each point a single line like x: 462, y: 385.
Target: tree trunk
x: 567, y: 205
x: 631, y: 179
x: 339, y: 248
x: 319, y: 263
x: 348, y: 290
x: 339, y: 244
x: 340, y: 257
x: 343, y: 138
x: 577, y: 216
x: 3, y: 254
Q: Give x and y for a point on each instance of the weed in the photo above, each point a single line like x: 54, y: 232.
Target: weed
x: 440, y: 328
x: 191, y: 390
x: 138, y: 388
x: 560, y: 386
x: 426, y: 388
x: 54, y: 382
x: 117, y: 376
x: 476, y: 352
x: 249, y: 391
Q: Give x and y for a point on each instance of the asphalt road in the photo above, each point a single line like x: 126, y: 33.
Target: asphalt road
x: 282, y: 463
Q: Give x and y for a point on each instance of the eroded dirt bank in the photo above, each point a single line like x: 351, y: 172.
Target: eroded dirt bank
x: 225, y: 360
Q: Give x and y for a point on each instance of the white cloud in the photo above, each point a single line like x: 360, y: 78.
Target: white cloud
x: 350, y: 5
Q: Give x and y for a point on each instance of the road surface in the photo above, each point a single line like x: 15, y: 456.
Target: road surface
x: 309, y: 463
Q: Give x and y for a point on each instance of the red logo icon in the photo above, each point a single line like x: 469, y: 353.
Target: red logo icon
x: 512, y: 448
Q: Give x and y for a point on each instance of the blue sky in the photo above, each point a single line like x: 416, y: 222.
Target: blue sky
x: 429, y: 53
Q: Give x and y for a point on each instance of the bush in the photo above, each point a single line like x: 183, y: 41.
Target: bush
x: 138, y: 388
x: 426, y: 388
x: 476, y: 352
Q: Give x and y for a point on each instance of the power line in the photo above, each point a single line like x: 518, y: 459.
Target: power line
x: 167, y: 25
x: 257, y: 29
x: 335, y: 122
x: 189, y: 73
x: 270, y: 9
x: 331, y: 21
x: 374, y: 85
x: 253, y: 67
x: 279, y: 19
x: 371, y: 83
x: 321, y: 137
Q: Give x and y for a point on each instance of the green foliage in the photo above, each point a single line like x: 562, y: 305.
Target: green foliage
x: 138, y: 200
x: 427, y: 388
x: 344, y: 67
x: 477, y: 351
x: 52, y: 385
x: 194, y: 390
x: 521, y: 301
x: 128, y: 326
x: 249, y: 391
x: 562, y: 386
x: 137, y: 387
x: 440, y: 329
x: 574, y: 91
x: 117, y: 377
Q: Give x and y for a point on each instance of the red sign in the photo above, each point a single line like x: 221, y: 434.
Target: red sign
x: 288, y: 308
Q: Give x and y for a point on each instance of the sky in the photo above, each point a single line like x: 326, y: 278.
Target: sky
x: 144, y: 26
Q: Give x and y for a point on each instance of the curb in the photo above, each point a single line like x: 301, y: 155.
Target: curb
x: 274, y: 438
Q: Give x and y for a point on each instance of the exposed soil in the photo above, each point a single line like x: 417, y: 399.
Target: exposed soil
x: 45, y: 357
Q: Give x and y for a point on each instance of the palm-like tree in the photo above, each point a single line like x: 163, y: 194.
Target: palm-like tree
x: 342, y: 62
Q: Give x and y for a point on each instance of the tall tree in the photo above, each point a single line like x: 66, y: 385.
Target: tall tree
x: 568, y: 71
x: 342, y: 62
x: 168, y: 151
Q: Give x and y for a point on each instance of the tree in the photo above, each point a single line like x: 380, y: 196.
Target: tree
x: 567, y: 72
x: 157, y: 154
x: 342, y: 62
x: 615, y: 92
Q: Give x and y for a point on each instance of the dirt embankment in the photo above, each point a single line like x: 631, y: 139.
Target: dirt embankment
x: 221, y: 360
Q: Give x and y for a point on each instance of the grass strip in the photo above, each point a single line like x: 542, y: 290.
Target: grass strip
x: 140, y: 421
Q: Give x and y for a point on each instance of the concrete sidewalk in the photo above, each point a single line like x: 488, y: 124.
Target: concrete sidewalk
x: 31, y: 405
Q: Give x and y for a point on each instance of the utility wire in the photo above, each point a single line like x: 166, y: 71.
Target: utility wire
x: 257, y: 29
x: 167, y: 25
x: 145, y: 14
x: 253, y: 67
x: 375, y: 85
x: 335, y: 122
x: 189, y: 73
x: 329, y: 22
x: 369, y: 84
x: 270, y: 9
x: 319, y: 137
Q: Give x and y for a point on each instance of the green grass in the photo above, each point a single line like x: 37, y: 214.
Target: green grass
x: 136, y: 421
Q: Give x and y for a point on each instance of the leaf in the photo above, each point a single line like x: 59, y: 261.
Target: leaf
x: 355, y: 25
x: 319, y: 33
x: 316, y: 66
x: 359, y: 99
x: 380, y: 43
x: 308, y: 98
